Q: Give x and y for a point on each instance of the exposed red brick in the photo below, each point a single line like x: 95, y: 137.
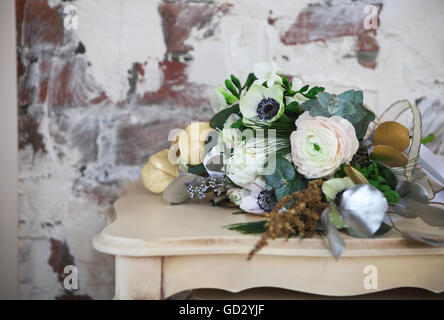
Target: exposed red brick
x: 179, y: 18
x: 41, y: 23
x: 28, y: 134
x: 69, y: 84
x: 60, y: 82
x: 175, y: 89
x: 322, y: 22
x: 83, y: 136
x: 136, y: 142
x: 45, y: 69
x: 60, y: 258
x: 19, y: 13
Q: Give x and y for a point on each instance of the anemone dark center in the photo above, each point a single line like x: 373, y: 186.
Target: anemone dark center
x: 267, y: 109
x: 266, y: 200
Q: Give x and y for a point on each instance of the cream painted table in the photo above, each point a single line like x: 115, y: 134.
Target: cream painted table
x: 162, y: 249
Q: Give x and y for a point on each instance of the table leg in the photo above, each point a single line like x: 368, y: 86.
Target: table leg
x: 138, y: 278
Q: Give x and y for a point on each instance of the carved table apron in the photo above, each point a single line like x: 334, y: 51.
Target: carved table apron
x: 163, y: 249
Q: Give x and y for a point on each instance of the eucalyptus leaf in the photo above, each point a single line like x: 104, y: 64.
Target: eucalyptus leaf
x: 285, y: 180
x: 284, y: 173
x: 315, y: 108
x: 362, y: 126
x: 347, y: 105
x: 325, y: 99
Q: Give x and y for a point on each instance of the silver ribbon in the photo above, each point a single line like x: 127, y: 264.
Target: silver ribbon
x: 335, y: 241
x: 213, y: 162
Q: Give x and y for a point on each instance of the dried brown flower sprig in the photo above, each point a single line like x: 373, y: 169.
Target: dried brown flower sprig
x: 297, y: 213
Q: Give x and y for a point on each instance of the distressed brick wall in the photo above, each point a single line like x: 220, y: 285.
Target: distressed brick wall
x: 96, y: 102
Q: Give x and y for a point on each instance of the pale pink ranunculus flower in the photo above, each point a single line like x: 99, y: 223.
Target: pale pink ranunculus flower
x: 319, y: 145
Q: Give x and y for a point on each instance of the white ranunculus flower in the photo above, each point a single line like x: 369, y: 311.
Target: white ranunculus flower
x: 319, y: 145
x: 267, y: 72
x: 244, y: 165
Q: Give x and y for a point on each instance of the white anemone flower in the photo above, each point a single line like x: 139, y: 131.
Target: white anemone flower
x: 267, y: 72
x: 253, y: 198
x: 262, y: 104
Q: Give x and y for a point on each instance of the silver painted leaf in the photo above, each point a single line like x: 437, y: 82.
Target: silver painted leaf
x: 418, y: 230
x: 414, y: 203
x: 177, y: 191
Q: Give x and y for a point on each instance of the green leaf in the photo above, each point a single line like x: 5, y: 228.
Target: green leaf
x: 388, y: 175
x: 383, y: 179
x: 232, y: 89
x: 236, y: 82
x: 229, y: 98
x: 218, y: 120
x: 304, y: 88
x: 237, y: 124
x: 312, y: 93
x: 292, y: 106
x: 427, y: 139
x: 285, y: 180
x: 253, y: 227
x: 286, y: 83
x: 250, y: 79
x: 197, y: 169
x: 240, y: 212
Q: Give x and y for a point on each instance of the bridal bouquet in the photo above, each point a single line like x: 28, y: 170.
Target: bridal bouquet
x: 307, y: 160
